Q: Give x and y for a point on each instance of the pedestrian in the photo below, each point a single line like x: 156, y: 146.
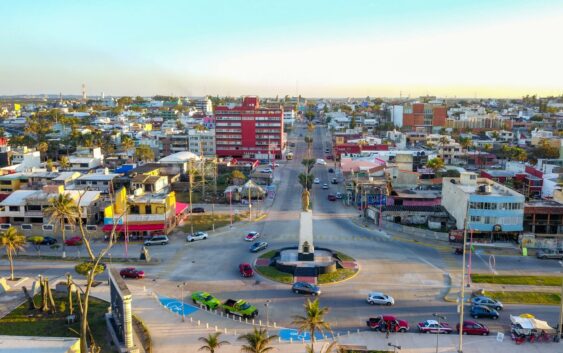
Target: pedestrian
x: 388, y: 331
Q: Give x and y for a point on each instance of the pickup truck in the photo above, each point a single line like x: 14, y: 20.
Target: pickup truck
x: 239, y: 308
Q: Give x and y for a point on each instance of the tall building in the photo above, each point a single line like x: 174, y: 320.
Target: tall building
x: 495, y: 211
x: 424, y: 116
x: 249, y: 131
x: 204, y: 105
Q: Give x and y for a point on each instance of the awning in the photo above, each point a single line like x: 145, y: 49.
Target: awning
x: 181, y: 207
x: 133, y: 227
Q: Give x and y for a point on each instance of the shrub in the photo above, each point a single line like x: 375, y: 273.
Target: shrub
x: 85, y: 267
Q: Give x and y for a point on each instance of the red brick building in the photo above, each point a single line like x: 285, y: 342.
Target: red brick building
x: 424, y: 116
x: 249, y: 131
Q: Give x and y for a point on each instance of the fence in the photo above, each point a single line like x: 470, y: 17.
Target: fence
x: 419, y: 232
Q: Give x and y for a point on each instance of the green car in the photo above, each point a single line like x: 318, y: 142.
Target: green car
x: 206, y: 299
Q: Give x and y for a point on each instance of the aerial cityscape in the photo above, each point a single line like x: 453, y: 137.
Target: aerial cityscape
x: 301, y: 177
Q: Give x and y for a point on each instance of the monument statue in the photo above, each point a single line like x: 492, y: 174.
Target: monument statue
x: 305, y: 200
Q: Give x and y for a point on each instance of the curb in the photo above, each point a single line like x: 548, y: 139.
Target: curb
x: 344, y: 280
x: 446, y: 295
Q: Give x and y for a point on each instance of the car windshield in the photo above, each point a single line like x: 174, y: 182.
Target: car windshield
x: 206, y: 297
x: 245, y: 306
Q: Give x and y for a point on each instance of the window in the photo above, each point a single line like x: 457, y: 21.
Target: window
x: 476, y: 219
x: 26, y: 226
x: 14, y: 208
x: 91, y: 227
x: 48, y: 227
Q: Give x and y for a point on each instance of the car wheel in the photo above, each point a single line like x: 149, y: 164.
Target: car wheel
x: 123, y: 276
x: 208, y: 307
x: 193, y: 300
x: 485, y: 333
x: 163, y: 243
x: 191, y: 240
x: 388, y: 304
x: 465, y: 332
x: 498, y: 308
x: 448, y: 332
x: 495, y: 317
x: 543, y: 257
x: 403, y: 330
x: 475, y: 316
x: 295, y: 291
x: 426, y: 331
x: 370, y: 302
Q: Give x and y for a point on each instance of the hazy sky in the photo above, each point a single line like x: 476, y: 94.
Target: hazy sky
x: 312, y: 47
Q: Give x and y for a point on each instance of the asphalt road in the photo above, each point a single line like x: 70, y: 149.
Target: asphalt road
x: 414, y: 274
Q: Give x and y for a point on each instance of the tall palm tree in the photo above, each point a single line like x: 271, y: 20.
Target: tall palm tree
x: 313, y: 321
x: 12, y: 241
x: 212, y: 342
x: 64, y: 163
x: 258, y: 341
x: 63, y: 210
x: 127, y: 143
x: 333, y: 347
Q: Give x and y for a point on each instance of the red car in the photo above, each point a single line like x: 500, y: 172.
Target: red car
x: 380, y: 323
x: 74, y: 241
x: 329, y: 157
x: 245, y: 270
x: 473, y: 328
x: 433, y: 326
x: 132, y: 272
x: 331, y: 197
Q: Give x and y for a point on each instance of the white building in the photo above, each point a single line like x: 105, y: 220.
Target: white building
x: 202, y: 142
x: 396, y: 115
x: 86, y: 159
x: 204, y: 105
x: 288, y: 116
x: 494, y: 209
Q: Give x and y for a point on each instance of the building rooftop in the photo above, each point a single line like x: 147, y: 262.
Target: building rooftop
x: 499, y: 173
x: 98, y: 176
x: 32, y: 344
x: 179, y: 157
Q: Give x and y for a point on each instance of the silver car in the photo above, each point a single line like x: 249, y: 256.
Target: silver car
x: 379, y: 298
x: 550, y: 254
x: 197, y: 236
x: 157, y: 240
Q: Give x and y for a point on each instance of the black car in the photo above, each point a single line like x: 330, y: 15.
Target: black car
x: 198, y: 210
x: 259, y: 245
x: 305, y: 288
x: 478, y: 311
x: 48, y: 241
x: 330, y: 170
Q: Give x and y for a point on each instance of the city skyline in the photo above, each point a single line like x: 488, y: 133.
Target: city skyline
x: 320, y: 49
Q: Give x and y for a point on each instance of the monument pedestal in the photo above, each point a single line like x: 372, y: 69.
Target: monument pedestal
x: 306, y: 249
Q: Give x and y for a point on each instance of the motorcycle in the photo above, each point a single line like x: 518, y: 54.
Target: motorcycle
x: 458, y: 251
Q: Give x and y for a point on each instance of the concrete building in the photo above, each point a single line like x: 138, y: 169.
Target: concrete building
x: 424, y: 116
x: 204, y: 105
x: 202, y: 142
x: 86, y: 159
x: 249, y: 131
x: 495, y: 211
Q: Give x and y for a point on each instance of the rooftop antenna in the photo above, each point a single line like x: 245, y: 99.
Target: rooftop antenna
x: 83, y: 92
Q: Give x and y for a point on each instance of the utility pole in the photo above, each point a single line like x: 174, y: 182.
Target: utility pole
x: 249, y: 206
x: 214, y: 191
x: 191, y: 181
x: 560, y: 310
x: 462, y: 292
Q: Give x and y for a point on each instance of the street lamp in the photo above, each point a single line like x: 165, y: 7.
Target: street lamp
x: 560, y: 309
x: 267, y: 305
x: 395, y: 347
x: 441, y: 317
x: 181, y: 286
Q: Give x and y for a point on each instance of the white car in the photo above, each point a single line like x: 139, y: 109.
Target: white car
x: 317, y: 181
x: 325, y: 186
x: 273, y: 165
x: 251, y: 236
x: 379, y: 298
x: 197, y: 236
x: 321, y: 161
x: 267, y: 170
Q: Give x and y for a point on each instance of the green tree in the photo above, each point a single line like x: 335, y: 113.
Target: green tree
x: 545, y: 150
x: 64, y: 163
x: 127, y: 143
x: 306, y: 180
x: 257, y: 341
x: 436, y: 164
x: 180, y: 125
x: 309, y: 163
x: 12, y: 241
x: 465, y: 142
x: 144, y: 153
x: 212, y: 342
x: 353, y: 122
x: 313, y: 321
x: 488, y: 147
x: 42, y: 147
x: 237, y: 177
x: 63, y: 210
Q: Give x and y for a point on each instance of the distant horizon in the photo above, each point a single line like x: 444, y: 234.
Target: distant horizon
x: 473, y: 49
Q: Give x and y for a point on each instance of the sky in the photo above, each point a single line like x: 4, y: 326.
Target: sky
x: 316, y: 48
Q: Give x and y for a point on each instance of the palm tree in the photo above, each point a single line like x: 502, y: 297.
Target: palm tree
x: 436, y: 164
x: 64, y: 163
x: 313, y: 321
x: 12, y: 241
x: 333, y: 347
x: 257, y: 341
x: 63, y: 210
x: 212, y: 343
x: 127, y: 143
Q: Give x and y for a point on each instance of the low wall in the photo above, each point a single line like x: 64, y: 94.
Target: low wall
x: 423, y: 233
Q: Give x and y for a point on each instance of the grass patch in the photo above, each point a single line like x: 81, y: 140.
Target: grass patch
x: 268, y: 254
x: 339, y: 275
x: 24, y: 322
x: 143, y: 333
x: 343, y: 256
x: 526, y: 297
x: 554, y: 281
x: 274, y: 274
x: 204, y: 221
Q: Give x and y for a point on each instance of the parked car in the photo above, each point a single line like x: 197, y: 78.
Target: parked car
x: 259, y: 245
x: 73, y: 241
x: 157, y: 240
x: 331, y: 197
x: 273, y: 165
x: 478, y: 311
x: 317, y: 181
x: 205, y: 299
x: 325, y: 186
x: 252, y: 236
x: 380, y: 298
x: 245, y: 270
x: 197, y: 236
x: 305, y: 288
x: 549, y: 254
x: 198, y: 210
x: 267, y: 170
x: 473, y: 328
x: 239, y: 308
x: 329, y: 157
x: 321, y: 161
x: 339, y: 195
x: 381, y: 322
x: 330, y: 170
x: 486, y: 301
x: 48, y: 241
x: 327, y: 150
x: 433, y: 326
x: 132, y: 272
x: 334, y: 181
